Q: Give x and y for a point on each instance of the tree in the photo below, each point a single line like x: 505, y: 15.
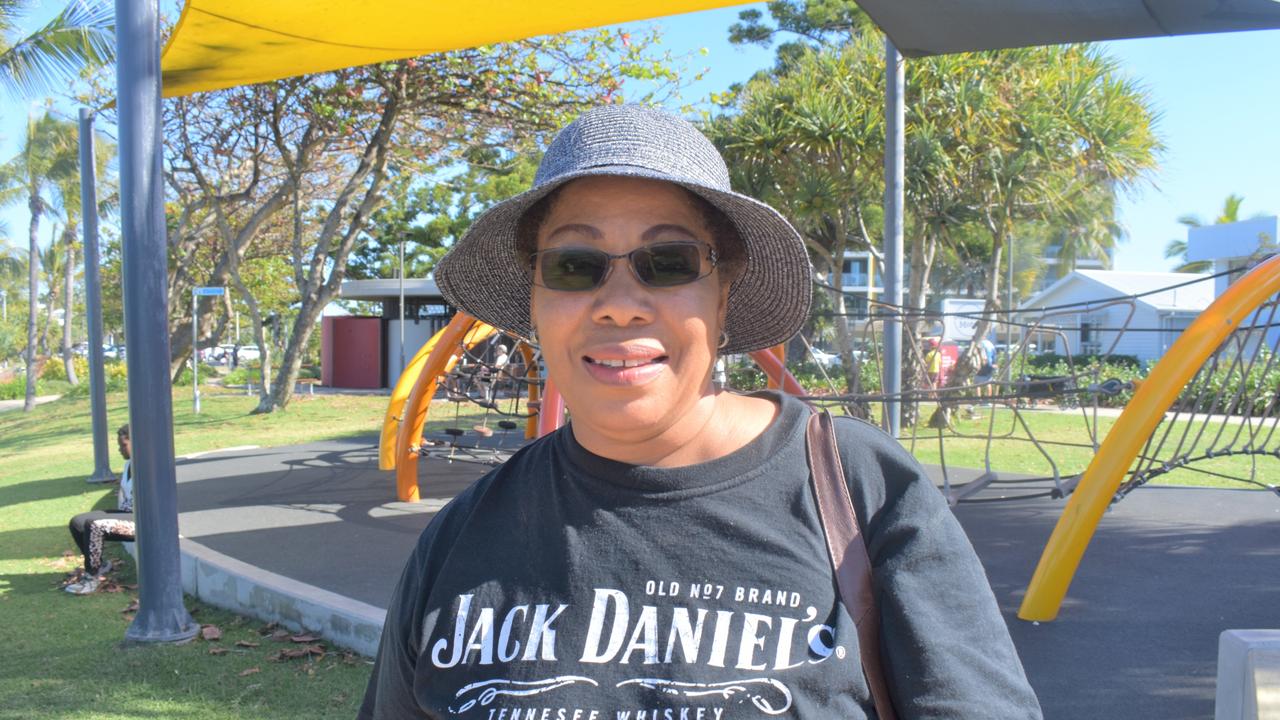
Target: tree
x: 1177, y: 248
x: 81, y: 35
x: 809, y: 140
x: 310, y: 161
x: 48, y: 155
x: 1063, y: 123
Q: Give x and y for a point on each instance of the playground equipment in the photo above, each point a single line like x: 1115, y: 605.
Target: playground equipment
x: 1179, y: 416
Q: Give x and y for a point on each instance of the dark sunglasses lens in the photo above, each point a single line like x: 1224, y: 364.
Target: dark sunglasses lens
x: 572, y: 268
x: 666, y: 265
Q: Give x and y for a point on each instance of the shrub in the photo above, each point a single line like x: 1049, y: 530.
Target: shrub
x: 55, y: 370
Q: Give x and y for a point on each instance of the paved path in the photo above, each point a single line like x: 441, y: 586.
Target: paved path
x: 10, y: 405
x: 1137, y: 638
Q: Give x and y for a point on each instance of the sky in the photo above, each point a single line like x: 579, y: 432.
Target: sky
x: 1218, y: 97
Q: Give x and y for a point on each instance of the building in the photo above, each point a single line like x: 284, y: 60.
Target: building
x: 860, y: 282
x: 1145, y: 327
x: 367, y: 351
x: 1233, y: 248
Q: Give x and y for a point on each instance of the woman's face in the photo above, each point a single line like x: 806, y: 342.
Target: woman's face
x: 667, y: 336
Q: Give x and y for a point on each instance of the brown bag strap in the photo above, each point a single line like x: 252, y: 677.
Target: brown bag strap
x: 848, y: 552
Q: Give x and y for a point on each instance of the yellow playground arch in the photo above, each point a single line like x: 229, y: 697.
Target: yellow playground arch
x: 1120, y: 448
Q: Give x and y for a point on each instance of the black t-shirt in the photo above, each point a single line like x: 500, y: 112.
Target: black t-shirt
x: 566, y: 586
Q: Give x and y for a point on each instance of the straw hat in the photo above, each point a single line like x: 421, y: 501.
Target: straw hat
x: 768, y: 303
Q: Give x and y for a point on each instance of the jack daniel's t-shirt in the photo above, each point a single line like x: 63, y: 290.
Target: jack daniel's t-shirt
x: 566, y: 586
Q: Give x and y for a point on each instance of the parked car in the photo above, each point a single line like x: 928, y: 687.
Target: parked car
x: 249, y: 352
x: 824, y: 358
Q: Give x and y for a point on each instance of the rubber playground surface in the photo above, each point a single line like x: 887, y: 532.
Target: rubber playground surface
x: 1168, y: 570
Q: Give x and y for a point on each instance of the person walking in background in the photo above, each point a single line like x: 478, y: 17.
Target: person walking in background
x: 93, y: 529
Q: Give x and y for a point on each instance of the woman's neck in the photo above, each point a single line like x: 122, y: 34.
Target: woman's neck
x: 717, y: 425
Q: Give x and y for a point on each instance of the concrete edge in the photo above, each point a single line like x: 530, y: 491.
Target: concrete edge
x: 235, y: 585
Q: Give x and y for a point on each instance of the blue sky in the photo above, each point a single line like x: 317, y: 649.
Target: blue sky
x: 1218, y: 97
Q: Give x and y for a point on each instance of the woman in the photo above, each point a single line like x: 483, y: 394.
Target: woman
x: 661, y: 556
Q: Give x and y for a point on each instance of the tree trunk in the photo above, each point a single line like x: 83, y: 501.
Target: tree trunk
x: 291, y: 362
x: 33, y: 295
x: 68, y: 303
x: 973, y: 359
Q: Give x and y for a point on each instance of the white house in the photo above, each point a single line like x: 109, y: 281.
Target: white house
x: 1158, y: 317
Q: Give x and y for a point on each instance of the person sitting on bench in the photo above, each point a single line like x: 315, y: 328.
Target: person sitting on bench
x: 94, y: 528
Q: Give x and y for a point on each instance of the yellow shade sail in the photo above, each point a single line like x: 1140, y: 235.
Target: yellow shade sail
x: 224, y: 43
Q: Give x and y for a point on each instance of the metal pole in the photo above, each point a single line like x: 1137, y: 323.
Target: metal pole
x: 894, y: 169
x: 93, y: 301
x: 195, y: 354
x: 401, y: 368
x: 161, y: 615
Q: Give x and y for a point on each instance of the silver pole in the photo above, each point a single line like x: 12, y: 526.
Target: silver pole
x: 401, y: 369
x: 93, y: 301
x: 161, y: 615
x: 195, y: 354
x: 894, y: 170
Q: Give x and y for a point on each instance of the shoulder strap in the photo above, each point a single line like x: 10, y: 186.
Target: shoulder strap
x: 848, y: 552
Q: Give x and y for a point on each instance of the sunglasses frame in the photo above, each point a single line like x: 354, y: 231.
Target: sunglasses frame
x: 712, y: 258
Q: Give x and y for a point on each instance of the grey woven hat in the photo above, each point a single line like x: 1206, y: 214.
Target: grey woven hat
x: 767, y: 304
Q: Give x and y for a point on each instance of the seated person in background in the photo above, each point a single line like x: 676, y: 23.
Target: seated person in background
x: 94, y: 528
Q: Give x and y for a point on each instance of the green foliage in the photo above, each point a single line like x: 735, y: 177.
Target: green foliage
x: 54, y: 369
x: 47, y: 59
x: 115, y: 376
x: 1255, y: 390
x: 208, y: 374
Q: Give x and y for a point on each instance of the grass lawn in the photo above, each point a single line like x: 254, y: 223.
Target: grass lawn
x: 1062, y: 436
x: 62, y: 654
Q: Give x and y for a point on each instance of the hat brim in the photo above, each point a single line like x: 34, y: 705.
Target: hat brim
x: 768, y: 303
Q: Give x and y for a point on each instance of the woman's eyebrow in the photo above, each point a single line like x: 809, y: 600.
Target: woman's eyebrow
x: 588, y: 230
x: 657, y: 230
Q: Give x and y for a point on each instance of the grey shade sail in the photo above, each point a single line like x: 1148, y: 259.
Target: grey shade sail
x: 937, y: 27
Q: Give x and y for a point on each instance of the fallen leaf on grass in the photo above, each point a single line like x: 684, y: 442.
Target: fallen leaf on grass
x: 246, y: 644
x: 267, y: 629
x: 250, y: 671
x: 210, y: 632
x: 218, y: 650
x: 304, y: 638
x: 133, y: 606
x: 316, y: 650
x: 280, y: 635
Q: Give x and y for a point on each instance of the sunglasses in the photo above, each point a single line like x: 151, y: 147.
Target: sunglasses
x: 578, y: 269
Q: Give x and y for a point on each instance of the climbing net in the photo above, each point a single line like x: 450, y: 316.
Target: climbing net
x: 1222, y: 425
x: 491, y: 380
x: 1224, y: 422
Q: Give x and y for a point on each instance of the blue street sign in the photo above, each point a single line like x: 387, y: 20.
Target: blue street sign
x: 210, y: 291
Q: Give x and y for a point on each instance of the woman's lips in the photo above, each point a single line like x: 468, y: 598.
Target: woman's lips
x: 625, y: 371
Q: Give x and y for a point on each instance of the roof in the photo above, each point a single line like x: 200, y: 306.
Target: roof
x: 385, y: 289
x: 1111, y: 284
x: 223, y: 43
x: 929, y: 27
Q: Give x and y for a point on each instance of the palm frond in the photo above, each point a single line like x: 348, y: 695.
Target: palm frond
x: 82, y: 34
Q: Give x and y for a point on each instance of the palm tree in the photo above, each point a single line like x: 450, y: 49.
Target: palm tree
x: 82, y: 34
x: 1177, y: 248
x: 49, y: 154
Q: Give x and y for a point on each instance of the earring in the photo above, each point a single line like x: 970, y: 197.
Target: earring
x: 724, y: 340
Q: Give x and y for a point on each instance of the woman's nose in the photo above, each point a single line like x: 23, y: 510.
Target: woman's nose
x: 622, y: 299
